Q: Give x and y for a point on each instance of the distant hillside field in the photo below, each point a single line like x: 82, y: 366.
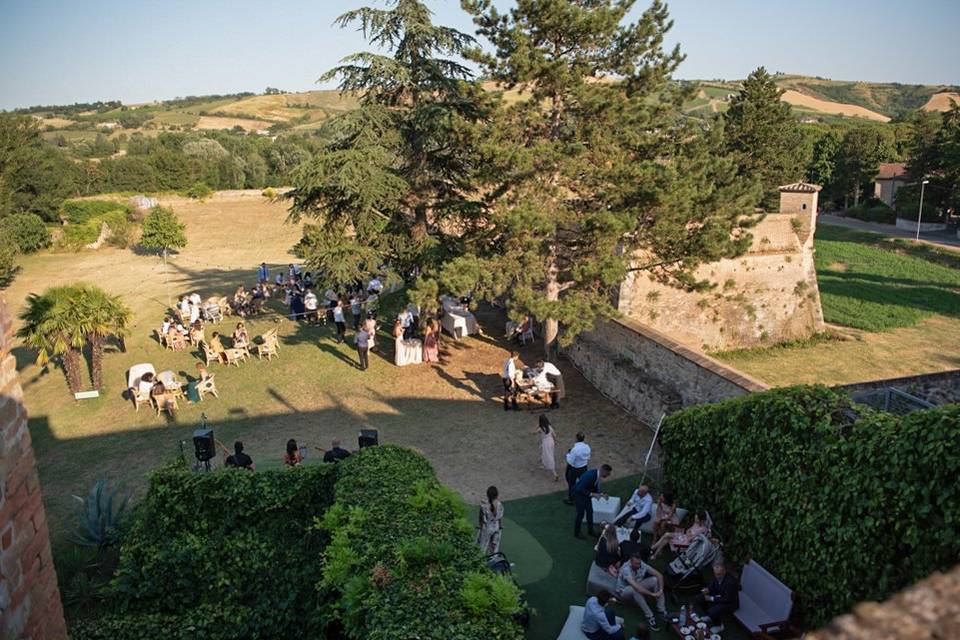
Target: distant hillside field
x: 806, y: 102
x: 941, y: 101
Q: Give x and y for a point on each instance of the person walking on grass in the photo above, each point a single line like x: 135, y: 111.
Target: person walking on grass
x: 340, y: 321
x: 362, y: 340
x: 548, y: 443
x: 586, y: 489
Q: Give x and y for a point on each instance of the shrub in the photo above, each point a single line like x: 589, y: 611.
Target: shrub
x: 840, y: 509
x: 101, y: 515
x: 228, y: 554
x: 873, y: 213
x: 199, y: 191
x: 8, y: 259
x: 27, y: 231
x: 81, y: 211
x: 377, y: 570
x: 269, y: 192
x: 162, y: 231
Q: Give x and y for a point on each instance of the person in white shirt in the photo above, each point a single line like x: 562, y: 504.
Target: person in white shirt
x: 356, y: 308
x: 295, y: 270
x: 599, y: 622
x: 509, y: 375
x: 194, y: 313
x: 549, y: 377
x: 578, y: 457
x: 339, y: 320
x: 195, y: 299
x: 374, y: 286
x: 185, y: 305
x: 638, y: 581
x: 310, y: 303
x: 638, y: 507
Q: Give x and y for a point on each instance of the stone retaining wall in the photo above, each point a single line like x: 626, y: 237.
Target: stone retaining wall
x: 935, y: 388
x: 648, y: 374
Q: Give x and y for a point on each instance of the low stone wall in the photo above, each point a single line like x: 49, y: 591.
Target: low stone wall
x: 935, y: 388
x: 648, y: 374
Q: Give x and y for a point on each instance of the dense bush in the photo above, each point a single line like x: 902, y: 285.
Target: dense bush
x: 81, y: 211
x: 8, y: 259
x: 840, y: 511
x: 402, y: 562
x: 878, y: 212
x: 230, y: 554
x: 26, y: 230
x: 77, y: 236
x: 199, y: 191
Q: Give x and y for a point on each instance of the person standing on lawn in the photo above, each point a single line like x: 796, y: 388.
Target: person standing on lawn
x: 578, y: 457
x: 362, y: 340
x: 490, y: 522
x: 586, y: 489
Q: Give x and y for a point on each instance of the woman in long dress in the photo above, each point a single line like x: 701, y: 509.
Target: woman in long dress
x: 431, y: 349
x: 490, y: 522
x: 548, y: 442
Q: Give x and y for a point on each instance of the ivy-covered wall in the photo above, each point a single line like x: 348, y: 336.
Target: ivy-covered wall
x: 839, y: 511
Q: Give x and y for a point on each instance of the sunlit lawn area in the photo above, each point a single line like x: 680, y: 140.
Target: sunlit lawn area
x: 896, y: 304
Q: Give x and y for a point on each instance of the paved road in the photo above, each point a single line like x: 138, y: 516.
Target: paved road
x: 946, y: 239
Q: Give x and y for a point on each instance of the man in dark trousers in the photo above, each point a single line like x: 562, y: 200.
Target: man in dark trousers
x: 335, y: 453
x: 578, y: 457
x: 721, y: 598
x: 586, y: 489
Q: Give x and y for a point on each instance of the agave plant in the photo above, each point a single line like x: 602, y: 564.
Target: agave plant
x: 101, y: 515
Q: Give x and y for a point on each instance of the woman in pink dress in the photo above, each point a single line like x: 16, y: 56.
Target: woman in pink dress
x: 548, y: 441
x: 431, y: 348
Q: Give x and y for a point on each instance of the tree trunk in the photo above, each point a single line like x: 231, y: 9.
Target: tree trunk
x: 96, y: 360
x: 71, y: 368
x: 419, y: 230
x: 551, y: 326
x: 856, y: 195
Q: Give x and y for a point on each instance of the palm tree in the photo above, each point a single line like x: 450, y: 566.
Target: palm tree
x: 101, y: 315
x: 52, y: 327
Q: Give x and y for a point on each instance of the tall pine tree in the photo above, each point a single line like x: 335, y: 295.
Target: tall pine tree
x: 393, y: 170
x: 593, y: 172
x: 763, y: 137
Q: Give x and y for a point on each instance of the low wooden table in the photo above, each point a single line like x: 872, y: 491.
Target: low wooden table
x: 675, y: 626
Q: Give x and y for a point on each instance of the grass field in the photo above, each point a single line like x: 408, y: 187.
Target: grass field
x: 896, y: 305
x: 313, y: 392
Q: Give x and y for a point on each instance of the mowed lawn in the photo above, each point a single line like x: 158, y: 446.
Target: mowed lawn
x: 313, y: 392
x: 895, y: 306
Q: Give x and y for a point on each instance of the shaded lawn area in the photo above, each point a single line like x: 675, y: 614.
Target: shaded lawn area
x: 868, y: 283
x: 551, y: 565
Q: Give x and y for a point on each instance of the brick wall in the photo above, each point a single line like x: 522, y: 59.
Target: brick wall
x: 30, y: 606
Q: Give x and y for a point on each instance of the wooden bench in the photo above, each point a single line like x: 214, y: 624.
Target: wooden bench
x: 765, y: 602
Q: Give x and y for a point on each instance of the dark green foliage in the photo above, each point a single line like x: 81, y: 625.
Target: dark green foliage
x: 839, y: 512
x: 582, y: 177
x: 230, y: 553
x: 873, y: 212
x: 101, y: 515
x: 762, y: 136
x: 26, y: 230
x: 8, y: 259
x: 858, y: 161
x: 392, y: 172
x: 390, y: 510
x: 935, y: 155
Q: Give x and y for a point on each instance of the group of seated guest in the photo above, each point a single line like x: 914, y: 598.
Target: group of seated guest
x: 543, y: 381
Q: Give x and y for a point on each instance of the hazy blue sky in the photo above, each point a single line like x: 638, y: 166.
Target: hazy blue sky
x: 63, y: 51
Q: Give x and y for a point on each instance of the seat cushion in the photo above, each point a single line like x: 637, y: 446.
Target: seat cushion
x: 751, y: 615
x: 647, y: 527
x: 571, y: 628
x: 599, y: 580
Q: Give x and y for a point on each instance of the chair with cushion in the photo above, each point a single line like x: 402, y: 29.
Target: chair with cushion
x: 765, y: 602
x: 133, y: 383
x: 599, y: 580
x: 571, y: 628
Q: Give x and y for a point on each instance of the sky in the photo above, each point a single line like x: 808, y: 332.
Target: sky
x: 65, y: 51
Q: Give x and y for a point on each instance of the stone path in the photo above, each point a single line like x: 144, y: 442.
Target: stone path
x: 946, y: 239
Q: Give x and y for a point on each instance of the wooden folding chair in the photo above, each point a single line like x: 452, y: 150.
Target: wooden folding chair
x: 233, y: 356
x: 162, y: 339
x: 139, y: 398
x: 268, y: 347
x: 166, y: 402
x: 209, y: 354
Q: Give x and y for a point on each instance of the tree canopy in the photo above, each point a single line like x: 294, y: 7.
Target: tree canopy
x: 162, y: 231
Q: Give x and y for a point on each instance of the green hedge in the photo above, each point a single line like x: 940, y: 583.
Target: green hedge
x: 839, y: 512
x: 236, y: 543
x: 81, y: 211
x: 76, y: 236
x: 402, y: 562
x: 876, y: 213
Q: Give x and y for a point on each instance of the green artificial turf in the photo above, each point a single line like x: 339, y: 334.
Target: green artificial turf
x: 551, y: 565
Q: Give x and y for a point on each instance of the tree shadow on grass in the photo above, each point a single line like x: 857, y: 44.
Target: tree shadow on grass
x: 927, y: 299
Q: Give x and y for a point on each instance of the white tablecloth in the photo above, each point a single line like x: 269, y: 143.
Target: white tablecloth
x: 408, y: 352
x: 136, y: 372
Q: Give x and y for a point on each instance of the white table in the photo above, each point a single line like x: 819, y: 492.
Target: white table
x: 408, y: 352
x: 459, y: 323
x: 605, y: 509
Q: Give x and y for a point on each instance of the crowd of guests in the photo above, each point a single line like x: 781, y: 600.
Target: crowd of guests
x: 293, y: 455
x: 543, y: 379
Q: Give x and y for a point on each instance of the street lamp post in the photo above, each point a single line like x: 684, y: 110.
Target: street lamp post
x: 920, y: 212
